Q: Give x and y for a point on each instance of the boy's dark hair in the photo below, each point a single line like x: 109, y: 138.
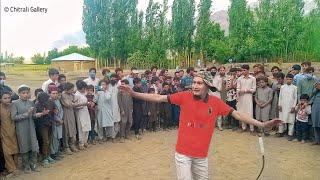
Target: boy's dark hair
x: 189, y: 69
x: 104, y: 80
x: 289, y: 76
x: 43, y: 97
x: 176, y: 79
x: 2, y: 74
x: 165, y: 83
x: 233, y: 69
x: 151, y: 90
x: 222, y: 67
x: 105, y: 71
x: 114, y: 75
x: 280, y: 75
x: 136, y: 81
x: 90, y: 87
x: 68, y: 86
x: 304, y: 96
x: 133, y: 68
x: 262, y: 78
x: 93, y: 69
x: 53, y: 71
x: 309, y: 70
x: 37, y: 91
x: 61, y: 76
x: 117, y: 70
x: 24, y: 88
x: 125, y: 81
x: 275, y: 67
x: 4, y: 92
x: 245, y: 66
x: 147, y: 72
x: 154, y: 67
x: 307, y: 63
x: 81, y: 84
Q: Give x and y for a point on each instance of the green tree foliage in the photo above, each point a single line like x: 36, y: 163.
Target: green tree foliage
x: 38, y: 59
x: 277, y: 29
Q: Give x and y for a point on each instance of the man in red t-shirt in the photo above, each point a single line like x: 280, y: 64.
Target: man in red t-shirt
x: 198, y: 114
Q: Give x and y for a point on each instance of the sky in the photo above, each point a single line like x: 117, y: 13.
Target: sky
x: 28, y: 33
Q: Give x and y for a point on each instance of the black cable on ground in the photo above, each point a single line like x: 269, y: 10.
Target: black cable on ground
x: 262, y: 168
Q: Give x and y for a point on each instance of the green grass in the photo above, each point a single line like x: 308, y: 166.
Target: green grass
x: 20, y: 68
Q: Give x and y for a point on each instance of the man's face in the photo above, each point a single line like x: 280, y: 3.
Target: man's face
x: 256, y: 70
x: 222, y: 71
x: 120, y: 74
x: 166, y: 87
x: 63, y: 81
x: 317, y: 86
x: 54, y: 95
x: 135, y: 75
x: 154, y: 70
x: 181, y: 73
x: 24, y: 95
x: 275, y: 71
x: 6, y: 99
x: 245, y: 72
x: 90, y: 91
x: 289, y: 80
x: 280, y: 80
x: 199, y: 88
x: 139, y: 84
x: 54, y: 77
x: 2, y: 79
x: 304, y: 67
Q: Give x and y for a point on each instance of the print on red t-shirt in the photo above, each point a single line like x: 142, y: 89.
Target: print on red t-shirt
x: 197, y: 122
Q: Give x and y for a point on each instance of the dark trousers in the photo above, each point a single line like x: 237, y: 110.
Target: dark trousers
x: 230, y: 120
x: 46, y: 132
x: 301, y: 130
x: 144, y: 122
x: 92, y: 133
x: 137, y: 118
x: 175, y: 110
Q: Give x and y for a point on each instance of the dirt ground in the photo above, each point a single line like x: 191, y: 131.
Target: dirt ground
x: 232, y: 155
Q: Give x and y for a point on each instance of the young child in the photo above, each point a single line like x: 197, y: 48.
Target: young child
x: 263, y: 99
x: 22, y: 113
x: 8, y: 133
x: 315, y: 113
x: 62, y: 79
x: 274, y: 113
x: 104, y: 113
x: 69, y: 102
x: 126, y: 108
x: 287, y: 103
x: 45, y: 125
x: 165, y: 108
x: 153, y: 112
x: 92, y: 111
x: 137, y: 108
x: 82, y: 115
x: 303, y: 110
x: 56, y: 123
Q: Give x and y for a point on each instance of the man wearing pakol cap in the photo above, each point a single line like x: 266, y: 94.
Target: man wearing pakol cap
x: 196, y: 127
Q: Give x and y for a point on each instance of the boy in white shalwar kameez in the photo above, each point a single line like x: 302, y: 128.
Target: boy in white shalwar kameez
x: 82, y: 115
x: 287, y: 103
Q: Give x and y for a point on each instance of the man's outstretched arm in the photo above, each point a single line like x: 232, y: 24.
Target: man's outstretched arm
x: 144, y: 96
x: 249, y: 120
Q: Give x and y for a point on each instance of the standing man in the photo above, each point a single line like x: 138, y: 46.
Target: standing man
x: 53, y: 78
x: 186, y: 80
x: 196, y: 127
x: 246, y: 86
x: 92, y: 79
x: 5, y: 88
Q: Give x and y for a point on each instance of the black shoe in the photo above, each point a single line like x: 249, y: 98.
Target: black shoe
x: 290, y: 138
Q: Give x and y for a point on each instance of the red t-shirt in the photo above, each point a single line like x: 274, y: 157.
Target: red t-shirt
x: 197, y: 122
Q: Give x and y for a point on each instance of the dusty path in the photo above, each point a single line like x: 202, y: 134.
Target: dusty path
x: 232, y: 156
